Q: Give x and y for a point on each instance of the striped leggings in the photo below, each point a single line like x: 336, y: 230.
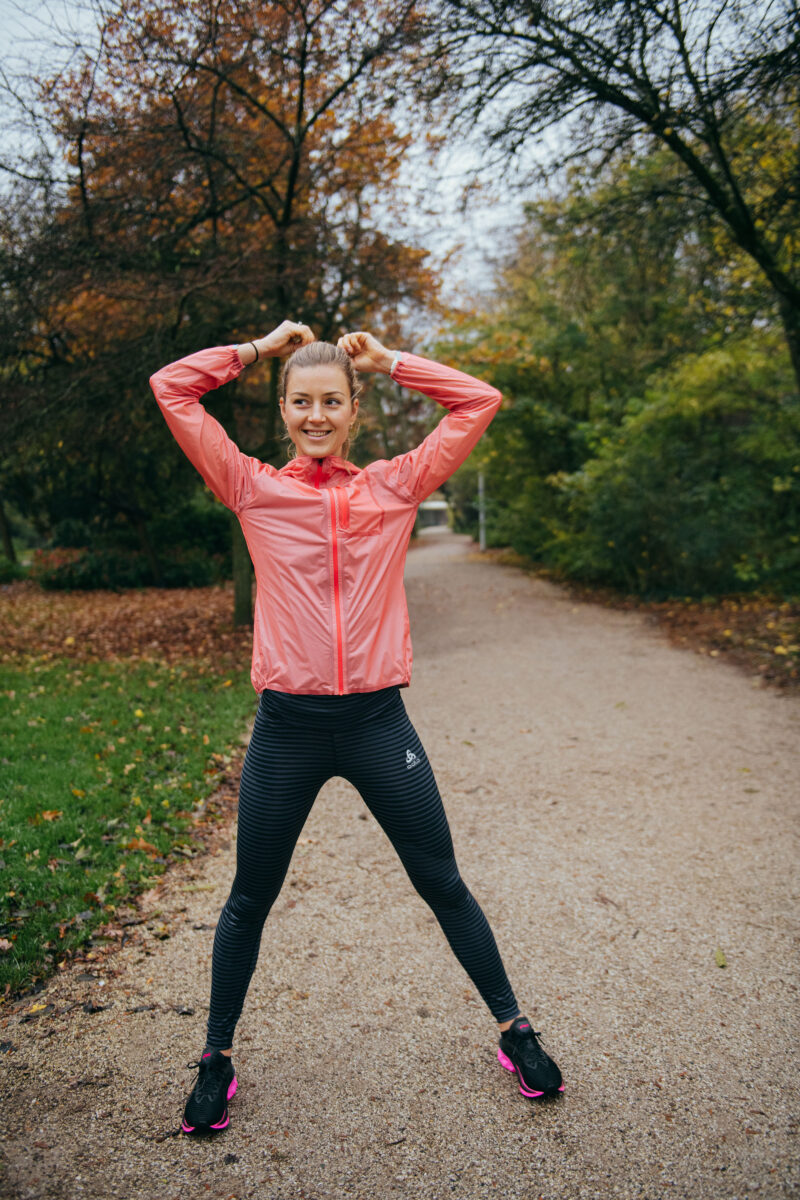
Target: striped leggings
x: 298, y: 743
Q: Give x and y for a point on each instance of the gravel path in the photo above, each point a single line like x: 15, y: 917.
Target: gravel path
x: 622, y: 810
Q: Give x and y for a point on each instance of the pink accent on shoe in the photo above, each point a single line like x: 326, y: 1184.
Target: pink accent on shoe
x: 506, y: 1062
x: 223, y: 1123
x: 525, y: 1090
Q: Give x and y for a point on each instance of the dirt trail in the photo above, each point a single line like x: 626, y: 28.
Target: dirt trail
x: 622, y: 810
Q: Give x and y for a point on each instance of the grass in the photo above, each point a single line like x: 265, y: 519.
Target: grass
x: 104, y: 767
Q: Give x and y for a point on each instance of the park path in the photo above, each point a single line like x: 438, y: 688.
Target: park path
x: 622, y: 809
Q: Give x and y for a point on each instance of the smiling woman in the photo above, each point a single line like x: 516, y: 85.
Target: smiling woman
x: 331, y: 651
x: 319, y: 392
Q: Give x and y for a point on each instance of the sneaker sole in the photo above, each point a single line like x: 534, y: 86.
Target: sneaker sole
x: 506, y: 1062
x: 222, y: 1123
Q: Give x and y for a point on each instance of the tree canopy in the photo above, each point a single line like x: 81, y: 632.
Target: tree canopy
x: 716, y: 84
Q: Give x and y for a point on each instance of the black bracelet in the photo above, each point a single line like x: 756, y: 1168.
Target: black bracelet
x: 255, y: 347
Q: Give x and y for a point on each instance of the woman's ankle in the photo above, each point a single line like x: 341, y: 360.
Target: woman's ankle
x: 210, y: 1050
x: 504, y: 1025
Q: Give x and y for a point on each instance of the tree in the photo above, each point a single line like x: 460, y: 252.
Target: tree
x: 229, y: 164
x: 716, y: 84
x: 648, y: 438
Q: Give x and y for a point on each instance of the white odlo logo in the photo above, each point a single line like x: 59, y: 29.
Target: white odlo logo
x: 411, y: 759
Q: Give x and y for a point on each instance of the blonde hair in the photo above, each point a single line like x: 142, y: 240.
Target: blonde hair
x: 322, y: 354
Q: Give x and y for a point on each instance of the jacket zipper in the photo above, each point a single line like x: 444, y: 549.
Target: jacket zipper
x: 336, y: 596
x: 337, y: 600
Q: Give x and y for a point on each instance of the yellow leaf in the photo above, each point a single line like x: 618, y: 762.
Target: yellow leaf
x: 205, y: 739
x: 138, y: 712
x: 52, y: 814
x: 69, y: 641
x: 78, y: 792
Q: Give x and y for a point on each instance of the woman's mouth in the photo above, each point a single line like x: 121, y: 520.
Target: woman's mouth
x: 318, y: 434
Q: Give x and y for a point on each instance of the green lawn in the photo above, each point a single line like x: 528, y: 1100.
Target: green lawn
x: 102, y: 768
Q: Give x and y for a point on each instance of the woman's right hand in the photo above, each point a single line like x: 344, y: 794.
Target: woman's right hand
x: 285, y: 339
x: 282, y: 341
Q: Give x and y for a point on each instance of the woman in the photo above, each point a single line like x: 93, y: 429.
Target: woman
x: 331, y: 651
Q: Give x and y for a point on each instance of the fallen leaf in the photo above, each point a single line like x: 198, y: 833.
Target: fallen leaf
x: 138, y: 843
x: 720, y: 959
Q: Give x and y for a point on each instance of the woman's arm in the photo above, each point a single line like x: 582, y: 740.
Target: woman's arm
x: 471, y: 406
x: 178, y: 388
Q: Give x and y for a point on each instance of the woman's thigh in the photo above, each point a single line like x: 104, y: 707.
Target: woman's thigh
x: 284, y: 769
x: 386, y: 761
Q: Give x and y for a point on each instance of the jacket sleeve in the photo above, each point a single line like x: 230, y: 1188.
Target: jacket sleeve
x: 178, y: 388
x: 471, y: 406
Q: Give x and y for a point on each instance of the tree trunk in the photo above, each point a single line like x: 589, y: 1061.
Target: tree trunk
x: 148, y: 549
x: 5, y: 532
x: 242, y: 576
x: 790, y: 316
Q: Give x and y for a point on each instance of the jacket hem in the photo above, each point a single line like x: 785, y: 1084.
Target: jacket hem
x: 259, y: 688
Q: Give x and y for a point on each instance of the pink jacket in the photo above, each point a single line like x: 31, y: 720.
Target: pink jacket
x: 328, y: 541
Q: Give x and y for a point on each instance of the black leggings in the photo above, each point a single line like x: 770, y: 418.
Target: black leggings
x: 298, y: 743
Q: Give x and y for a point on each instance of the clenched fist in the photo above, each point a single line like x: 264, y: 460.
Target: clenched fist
x: 367, y: 352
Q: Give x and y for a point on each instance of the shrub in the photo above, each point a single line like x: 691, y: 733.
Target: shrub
x: 9, y: 571
x: 88, y: 570
x: 698, y: 492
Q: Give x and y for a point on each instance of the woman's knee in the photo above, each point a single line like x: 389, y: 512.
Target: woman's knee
x: 246, y: 907
x: 441, y: 887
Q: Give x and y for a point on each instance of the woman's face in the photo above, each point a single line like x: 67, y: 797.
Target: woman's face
x: 318, y: 410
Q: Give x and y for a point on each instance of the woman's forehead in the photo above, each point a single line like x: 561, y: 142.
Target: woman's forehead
x: 326, y: 377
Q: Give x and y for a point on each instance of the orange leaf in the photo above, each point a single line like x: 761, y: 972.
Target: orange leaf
x: 138, y: 843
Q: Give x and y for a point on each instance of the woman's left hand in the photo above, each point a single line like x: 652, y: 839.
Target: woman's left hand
x: 367, y: 352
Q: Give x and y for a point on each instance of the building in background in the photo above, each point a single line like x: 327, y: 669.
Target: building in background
x: 433, y: 512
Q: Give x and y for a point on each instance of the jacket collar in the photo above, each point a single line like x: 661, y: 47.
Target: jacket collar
x: 311, y: 469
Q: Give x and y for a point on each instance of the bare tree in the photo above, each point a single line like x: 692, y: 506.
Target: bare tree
x: 717, y: 83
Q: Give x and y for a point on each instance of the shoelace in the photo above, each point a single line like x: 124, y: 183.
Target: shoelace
x: 529, y: 1045
x: 205, y: 1080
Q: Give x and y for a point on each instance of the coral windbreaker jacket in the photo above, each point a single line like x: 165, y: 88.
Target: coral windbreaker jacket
x: 328, y: 540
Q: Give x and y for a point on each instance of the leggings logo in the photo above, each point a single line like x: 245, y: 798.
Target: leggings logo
x: 411, y: 759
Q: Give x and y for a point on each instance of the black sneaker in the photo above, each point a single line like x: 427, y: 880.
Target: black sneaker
x: 207, y: 1107
x: 520, y: 1052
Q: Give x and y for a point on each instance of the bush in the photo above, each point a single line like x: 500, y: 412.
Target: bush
x: 9, y: 571
x: 87, y: 570
x: 698, y: 492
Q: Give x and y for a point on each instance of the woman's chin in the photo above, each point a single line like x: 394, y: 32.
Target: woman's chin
x: 319, y: 449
